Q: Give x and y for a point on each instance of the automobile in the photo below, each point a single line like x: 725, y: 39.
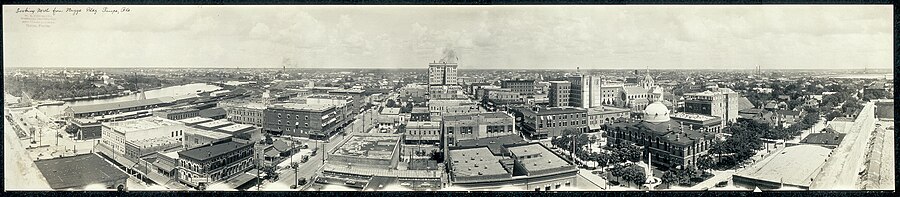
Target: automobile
x: 722, y: 184
x: 405, y: 184
x: 349, y: 182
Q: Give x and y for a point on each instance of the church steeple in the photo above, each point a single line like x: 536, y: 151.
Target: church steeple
x: 647, y: 82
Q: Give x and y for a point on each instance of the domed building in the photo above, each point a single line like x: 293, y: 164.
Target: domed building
x: 636, y: 96
x: 672, y: 142
x: 656, y: 112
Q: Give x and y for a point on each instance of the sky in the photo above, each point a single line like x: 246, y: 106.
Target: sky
x: 514, y: 37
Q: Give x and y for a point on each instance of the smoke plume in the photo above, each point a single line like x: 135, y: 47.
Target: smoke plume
x: 449, y: 56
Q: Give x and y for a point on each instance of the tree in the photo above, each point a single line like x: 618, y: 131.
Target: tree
x: 634, y: 174
x: 269, y: 139
x: 871, y: 94
x: 71, y: 129
x: 618, y: 170
x: 670, y: 177
x: 391, y: 103
x: 626, y: 151
x: 437, y: 156
x: 706, y: 162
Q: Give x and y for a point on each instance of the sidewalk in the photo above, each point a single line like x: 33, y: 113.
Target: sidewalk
x: 593, y: 178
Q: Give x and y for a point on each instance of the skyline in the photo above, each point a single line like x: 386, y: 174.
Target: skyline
x: 557, y: 37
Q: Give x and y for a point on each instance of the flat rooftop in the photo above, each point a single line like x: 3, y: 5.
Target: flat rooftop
x: 546, y: 160
x: 554, y: 110
x: 236, y: 128
x: 152, y: 142
x: 215, y: 124
x: 78, y: 171
x: 325, y: 101
x: 794, y: 165
x: 692, y: 116
x: 495, y: 144
x: 248, y: 103
x: 303, y: 107
x: 207, y: 152
x: 195, y: 120
x: 207, y: 133
x: 605, y: 109
x: 704, y: 93
x: 140, y: 124
x: 120, y: 105
x: 491, y: 115
x: 390, y: 111
x: 373, y: 147
x: 475, y: 162
x: 423, y: 125
x: 354, y: 91
x: 824, y: 138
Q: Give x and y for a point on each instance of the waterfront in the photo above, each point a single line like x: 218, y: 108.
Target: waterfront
x: 889, y: 76
x: 173, y: 91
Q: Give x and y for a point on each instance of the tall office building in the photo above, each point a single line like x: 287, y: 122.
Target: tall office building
x: 442, y: 73
x: 585, y: 91
x: 720, y: 102
x: 559, y: 94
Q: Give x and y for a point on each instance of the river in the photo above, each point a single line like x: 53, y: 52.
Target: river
x: 181, y: 90
x: 863, y: 76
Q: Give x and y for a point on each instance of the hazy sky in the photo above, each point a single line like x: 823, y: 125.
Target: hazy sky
x: 603, y: 37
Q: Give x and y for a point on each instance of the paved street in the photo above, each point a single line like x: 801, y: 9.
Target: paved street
x: 311, y: 167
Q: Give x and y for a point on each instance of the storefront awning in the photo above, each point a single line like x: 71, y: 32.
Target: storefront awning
x: 241, y: 179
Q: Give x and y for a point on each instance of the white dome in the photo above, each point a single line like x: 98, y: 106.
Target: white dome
x: 656, y: 112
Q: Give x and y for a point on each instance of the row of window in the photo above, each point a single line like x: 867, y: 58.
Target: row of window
x: 220, y: 162
x: 424, y: 132
x: 548, y: 186
x: 562, y: 124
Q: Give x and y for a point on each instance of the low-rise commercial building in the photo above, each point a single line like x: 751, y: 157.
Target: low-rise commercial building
x: 177, y: 113
x: 542, y: 123
x: 599, y: 116
x: 244, y: 111
x: 521, y: 86
x: 422, y: 132
x: 476, y: 126
x: 368, y: 150
x: 527, y: 166
x: 316, y: 121
x: 202, y: 166
x: 699, y: 122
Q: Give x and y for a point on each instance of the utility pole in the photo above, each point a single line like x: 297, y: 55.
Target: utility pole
x: 258, y: 164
